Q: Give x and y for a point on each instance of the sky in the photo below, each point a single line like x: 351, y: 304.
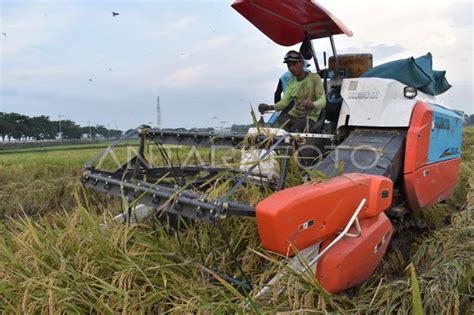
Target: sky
x: 206, y: 63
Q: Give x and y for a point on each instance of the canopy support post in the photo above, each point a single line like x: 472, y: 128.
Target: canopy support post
x: 315, y: 58
x: 334, y: 52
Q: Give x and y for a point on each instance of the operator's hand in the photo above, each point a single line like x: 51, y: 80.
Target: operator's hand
x: 262, y: 108
x: 307, y: 104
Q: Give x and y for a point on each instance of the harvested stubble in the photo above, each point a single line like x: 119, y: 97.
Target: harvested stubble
x: 68, y: 263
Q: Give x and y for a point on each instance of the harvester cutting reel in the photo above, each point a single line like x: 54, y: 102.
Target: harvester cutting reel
x: 337, y: 225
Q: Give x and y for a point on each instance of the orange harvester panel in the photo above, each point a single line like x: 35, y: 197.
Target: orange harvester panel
x: 431, y: 184
x: 306, y: 214
x: 351, y: 261
x: 418, y: 137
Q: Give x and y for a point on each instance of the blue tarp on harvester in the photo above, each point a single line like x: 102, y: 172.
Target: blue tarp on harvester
x: 417, y: 72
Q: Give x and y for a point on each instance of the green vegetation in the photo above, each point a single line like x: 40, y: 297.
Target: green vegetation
x: 57, y: 147
x: 18, y: 126
x: 55, y: 257
x: 469, y: 119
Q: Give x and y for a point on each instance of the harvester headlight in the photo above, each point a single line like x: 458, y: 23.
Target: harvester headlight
x: 409, y: 91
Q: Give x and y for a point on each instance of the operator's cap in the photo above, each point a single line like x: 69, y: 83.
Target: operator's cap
x: 292, y: 55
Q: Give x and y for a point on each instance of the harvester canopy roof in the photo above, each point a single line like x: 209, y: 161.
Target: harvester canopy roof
x: 289, y: 22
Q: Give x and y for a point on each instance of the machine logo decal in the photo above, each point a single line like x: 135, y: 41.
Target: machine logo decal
x: 364, y: 95
x: 449, y: 152
x: 306, y: 225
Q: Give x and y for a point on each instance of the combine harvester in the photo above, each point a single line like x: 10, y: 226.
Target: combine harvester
x: 388, y: 148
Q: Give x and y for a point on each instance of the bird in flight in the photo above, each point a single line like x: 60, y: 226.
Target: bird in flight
x: 115, y: 13
x: 90, y: 80
x: 4, y: 34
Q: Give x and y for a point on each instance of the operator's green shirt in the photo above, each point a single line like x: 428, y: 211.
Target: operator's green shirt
x: 310, y: 88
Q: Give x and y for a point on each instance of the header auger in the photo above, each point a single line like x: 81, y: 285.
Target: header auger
x: 387, y: 148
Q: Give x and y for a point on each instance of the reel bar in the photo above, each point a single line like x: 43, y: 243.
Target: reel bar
x: 173, y: 200
x: 188, y: 138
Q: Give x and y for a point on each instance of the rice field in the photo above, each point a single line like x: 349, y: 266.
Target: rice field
x: 56, y: 258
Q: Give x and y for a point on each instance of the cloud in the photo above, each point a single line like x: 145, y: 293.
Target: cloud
x: 461, y: 13
x: 217, y: 42
x: 185, y: 77
x: 27, y: 26
x: 178, y: 25
x: 209, y: 64
x: 381, y: 52
x: 384, y: 51
x: 460, y: 96
x: 210, y: 45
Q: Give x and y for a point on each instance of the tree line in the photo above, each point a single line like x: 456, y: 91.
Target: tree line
x: 469, y: 120
x: 22, y: 127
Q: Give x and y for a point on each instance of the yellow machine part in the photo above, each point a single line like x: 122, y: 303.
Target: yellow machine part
x: 354, y: 64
